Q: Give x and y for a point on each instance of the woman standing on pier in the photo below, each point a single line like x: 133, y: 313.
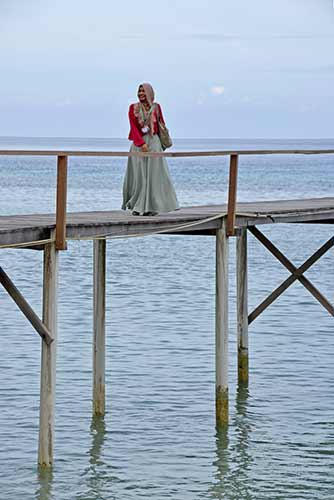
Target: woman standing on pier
x: 147, y: 187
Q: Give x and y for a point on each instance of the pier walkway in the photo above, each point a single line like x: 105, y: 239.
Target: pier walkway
x: 50, y: 233
x: 25, y: 230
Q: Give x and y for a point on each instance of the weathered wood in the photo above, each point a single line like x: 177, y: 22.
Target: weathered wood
x: 61, y: 203
x: 48, y: 359
x: 21, y: 229
x: 99, y: 327
x: 166, y: 154
x: 232, y: 195
x: 242, y: 306
x: 297, y: 274
x: 222, y: 326
x: 25, y: 307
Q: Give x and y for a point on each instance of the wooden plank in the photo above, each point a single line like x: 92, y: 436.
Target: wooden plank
x: 222, y: 326
x: 61, y: 203
x: 24, y: 306
x: 296, y: 275
x: 48, y: 360
x: 207, y: 232
x: 300, y: 218
x: 29, y: 228
x: 242, y: 306
x: 232, y: 195
x: 247, y: 209
x: 99, y: 276
x: 169, y: 154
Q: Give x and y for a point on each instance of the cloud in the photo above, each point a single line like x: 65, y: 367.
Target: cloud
x: 217, y: 90
x: 307, y: 107
x: 63, y: 103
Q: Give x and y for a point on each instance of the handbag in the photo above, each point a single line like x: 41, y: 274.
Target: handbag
x: 163, y: 133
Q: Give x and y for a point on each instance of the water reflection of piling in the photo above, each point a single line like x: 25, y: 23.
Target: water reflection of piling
x: 45, y: 482
x: 95, y: 474
x: 98, y: 433
x: 233, y: 458
x: 99, y: 476
x: 243, y: 429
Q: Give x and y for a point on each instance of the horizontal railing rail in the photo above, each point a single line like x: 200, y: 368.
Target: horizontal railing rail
x: 169, y: 154
x: 62, y: 162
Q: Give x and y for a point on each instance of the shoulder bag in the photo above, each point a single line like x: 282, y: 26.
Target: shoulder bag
x: 163, y: 133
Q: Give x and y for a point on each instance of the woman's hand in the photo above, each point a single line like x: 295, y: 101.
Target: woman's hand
x: 144, y: 148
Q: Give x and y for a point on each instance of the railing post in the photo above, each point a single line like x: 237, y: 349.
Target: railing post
x: 232, y: 195
x: 61, y: 203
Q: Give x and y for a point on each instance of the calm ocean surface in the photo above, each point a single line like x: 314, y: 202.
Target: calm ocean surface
x: 158, y: 439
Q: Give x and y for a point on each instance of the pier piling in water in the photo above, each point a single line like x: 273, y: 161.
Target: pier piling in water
x: 99, y: 276
x: 242, y: 306
x: 48, y: 360
x: 222, y: 255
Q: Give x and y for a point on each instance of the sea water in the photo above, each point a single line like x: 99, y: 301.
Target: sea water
x: 158, y: 439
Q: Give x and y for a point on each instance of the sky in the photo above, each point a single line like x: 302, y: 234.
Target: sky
x: 220, y: 68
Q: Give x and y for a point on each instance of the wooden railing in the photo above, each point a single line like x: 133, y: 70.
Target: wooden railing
x: 62, y: 157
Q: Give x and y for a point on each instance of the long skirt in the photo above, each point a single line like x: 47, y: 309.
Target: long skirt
x: 147, y: 184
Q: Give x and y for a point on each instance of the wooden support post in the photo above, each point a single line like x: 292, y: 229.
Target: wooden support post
x: 232, y: 195
x: 242, y: 307
x: 99, y: 327
x: 61, y: 203
x: 222, y: 326
x: 48, y: 362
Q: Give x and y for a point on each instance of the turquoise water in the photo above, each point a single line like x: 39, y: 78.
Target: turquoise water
x: 158, y: 439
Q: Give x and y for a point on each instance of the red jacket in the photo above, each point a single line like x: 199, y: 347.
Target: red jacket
x: 136, y: 134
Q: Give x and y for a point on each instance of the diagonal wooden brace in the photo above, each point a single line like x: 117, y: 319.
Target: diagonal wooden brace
x: 296, y: 274
x: 23, y: 305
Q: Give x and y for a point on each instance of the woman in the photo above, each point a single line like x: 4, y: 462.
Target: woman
x: 147, y: 187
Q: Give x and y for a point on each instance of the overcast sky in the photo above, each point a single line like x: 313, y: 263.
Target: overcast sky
x: 220, y: 68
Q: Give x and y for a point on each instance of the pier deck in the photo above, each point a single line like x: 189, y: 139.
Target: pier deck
x: 24, y: 229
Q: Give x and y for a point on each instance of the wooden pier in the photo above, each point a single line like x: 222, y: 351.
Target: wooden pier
x: 50, y: 233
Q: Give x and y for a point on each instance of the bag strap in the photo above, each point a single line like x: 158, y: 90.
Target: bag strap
x: 158, y: 113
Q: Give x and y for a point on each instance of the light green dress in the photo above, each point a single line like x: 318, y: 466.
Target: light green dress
x: 147, y: 184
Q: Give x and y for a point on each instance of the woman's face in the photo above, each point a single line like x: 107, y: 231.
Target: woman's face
x: 141, y: 94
